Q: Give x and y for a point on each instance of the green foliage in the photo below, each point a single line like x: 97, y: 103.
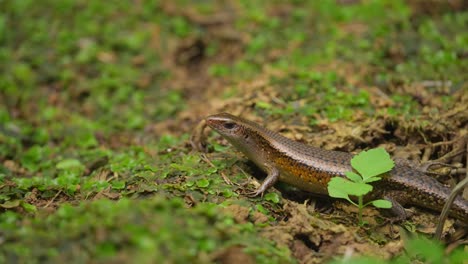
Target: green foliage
x: 342, y: 188
x: 106, y: 46
x: 417, y: 249
x: 127, y: 162
x: 272, y: 197
x: 203, y: 183
x: 316, y: 93
x: 31, y: 159
x: 70, y: 165
x: 148, y: 230
x: 83, y: 85
x: 118, y: 185
x: 370, y: 165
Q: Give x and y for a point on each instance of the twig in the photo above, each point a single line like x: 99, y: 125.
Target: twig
x: 449, y: 155
x: 443, y: 215
x: 427, y: 153
x: 207, y: 160
x: 53, y: 198
x: 441, y: 143
x: 455, y: 245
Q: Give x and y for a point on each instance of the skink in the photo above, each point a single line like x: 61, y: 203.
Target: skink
x: 309, y: 168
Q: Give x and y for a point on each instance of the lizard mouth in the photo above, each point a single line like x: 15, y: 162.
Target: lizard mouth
x: 223, y: 123
x: 211, y: 121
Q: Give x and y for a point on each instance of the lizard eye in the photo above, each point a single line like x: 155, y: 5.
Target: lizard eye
x: 229, y: 125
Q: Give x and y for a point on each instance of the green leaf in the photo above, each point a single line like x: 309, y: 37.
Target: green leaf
x: 428, y: 250
x: 29, y: 207
x: 105, y: 249
x: 335, y: 189
x: 86, y: 140
x: 211, y: 170
x: 353, y: 176
x: 263, y: 105
x: 191, y: 160
x: 31, y: 159
x: 261, y: 209
x: 118, y: 185
x: 203, y: 183
x: 10, y: 204
x: 373, y: 179
x: 458, y: 256
x: 190, y: 183
x: 69, y: 164
x: 342, y: 188
x: 372, y: 163
x: 272, y: 197
x: 382, y: 204
x: 227, y: 193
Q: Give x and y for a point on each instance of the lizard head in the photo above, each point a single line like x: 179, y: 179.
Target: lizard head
x: 246, y: 136
x: 229, y: 126
x: 241, y: 133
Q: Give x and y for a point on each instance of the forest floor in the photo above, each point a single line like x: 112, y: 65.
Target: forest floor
x: 98, y: 102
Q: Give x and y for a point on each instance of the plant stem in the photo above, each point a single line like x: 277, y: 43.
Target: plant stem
x: 361, y: 223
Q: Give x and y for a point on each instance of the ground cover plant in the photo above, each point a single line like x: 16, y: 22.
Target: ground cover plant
x: 370, y: 167
x: 98, y: 100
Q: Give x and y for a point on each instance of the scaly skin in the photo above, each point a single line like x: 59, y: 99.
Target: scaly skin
x: 309, y: 168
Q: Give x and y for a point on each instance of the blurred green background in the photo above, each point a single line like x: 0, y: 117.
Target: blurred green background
x: 98, y: 98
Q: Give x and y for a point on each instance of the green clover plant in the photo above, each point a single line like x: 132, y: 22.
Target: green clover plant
x: 370, y: 166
